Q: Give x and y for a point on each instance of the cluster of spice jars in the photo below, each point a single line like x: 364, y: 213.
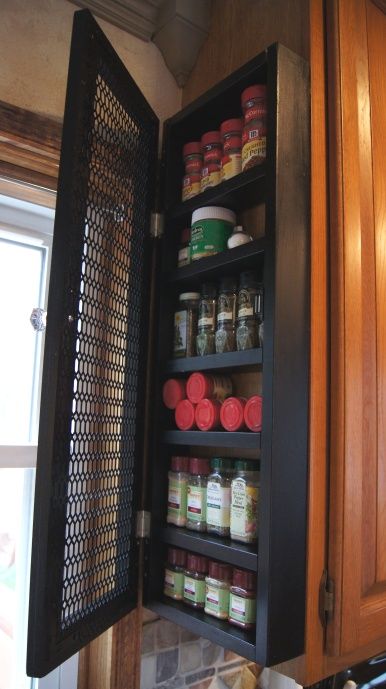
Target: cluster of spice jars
x: 220, y: 318
x: 218, y: 589
x: 218, y: 496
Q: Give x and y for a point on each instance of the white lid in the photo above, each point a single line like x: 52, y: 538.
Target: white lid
x: 189, y: 295
x: 214, y: 213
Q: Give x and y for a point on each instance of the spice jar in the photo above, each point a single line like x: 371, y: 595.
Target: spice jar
x: 173, y: 391
x: 231, y: 141
x: 184, y: 415
x: 225, y: 336
x: 238, y: 237
x: 211, y: 148
x: 199, y: 469
x: 247, y: 311
x: 232, y: 414
x: 218, y: 497
x: 211, y: 227
x: 175, y: 574
x: 177, y: 491
x: 206, y: 320
x: 207, y: 415
x: 253, y: 101
x: 217, y: 590
x: 191, y: 185
x: 185, y: 325
x: 253, y: 413
x: 210, y: 176
x: 183, y: 256
x: 244, y: 499
x: 192, y: 157
x: 242, y: 599
x: 194, y: 580
x: 201, y: 385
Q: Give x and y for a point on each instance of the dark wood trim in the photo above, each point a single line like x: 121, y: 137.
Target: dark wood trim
x: 381, y: 4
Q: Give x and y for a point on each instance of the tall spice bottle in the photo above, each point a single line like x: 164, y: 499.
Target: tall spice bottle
x: 199, y: 468
x: 177, y: 491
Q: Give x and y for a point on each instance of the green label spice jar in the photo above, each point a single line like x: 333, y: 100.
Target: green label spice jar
x: 242, y: 599
x: 211, y: 227
x: 218, y: 497
x: 225, y: 336
x: 196, y: 494
x: 174, y: 574
x: 185, y: 325
x: 177, y: 491
x: 244, y: 502
x: 206, y: 320
x: 217, y: 590
x: 194, y: 580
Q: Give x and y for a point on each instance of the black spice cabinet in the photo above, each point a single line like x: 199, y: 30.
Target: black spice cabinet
x: 105, y: 439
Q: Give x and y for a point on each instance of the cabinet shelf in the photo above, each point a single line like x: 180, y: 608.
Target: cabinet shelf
x: 242, y: 440
x: 231, y: 552
x: 232, y: 360
x: 244, y: 257
x: 217, y: 631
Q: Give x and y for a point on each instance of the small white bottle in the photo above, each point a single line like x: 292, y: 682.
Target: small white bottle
x: 238, y: 237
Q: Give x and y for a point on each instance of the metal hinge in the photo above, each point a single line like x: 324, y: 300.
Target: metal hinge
x: 156, y: 225
x: 143, y: 524
x: 326, y: 599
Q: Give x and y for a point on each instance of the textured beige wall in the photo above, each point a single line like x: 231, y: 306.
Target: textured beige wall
x: 34, y: 47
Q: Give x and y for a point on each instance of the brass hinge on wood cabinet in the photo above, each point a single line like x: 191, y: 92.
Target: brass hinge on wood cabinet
x: 143, y: 524
x: 156, y: 225
x: 326, y: 599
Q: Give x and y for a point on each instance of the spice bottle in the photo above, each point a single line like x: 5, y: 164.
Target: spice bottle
x: 212, y: 152
x: 225, y: 337
x: 218, y: 497
x: 217, y: 590
x: 248, y: 304
x: 177, y: 491
x: 173, y: 391
x: 199, y: 469
x: 185, y: 325
x: 183, y: 256
x: 207, y: 415
x: 194, y: 580
x: 184, y: 415
x: 238, y: 237
x: 191, y: 185
x: 232, y: 414
x: 231, y: 141
x: 253, y: 413
x: 244, y: 500
x: 206, y: 320
x: 253, y: 101
x: 242, y: 599
x: 201, y: 385
x: 174, y: 574
x: 192, y: 157
x: 211, y: 227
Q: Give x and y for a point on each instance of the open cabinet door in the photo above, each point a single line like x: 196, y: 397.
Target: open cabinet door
x: 84, y: 565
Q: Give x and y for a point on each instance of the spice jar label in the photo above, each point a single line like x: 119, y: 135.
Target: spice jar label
x: 206, y: 313
x: 218, y: 502
x: 226, y: 308
x: 194, y: 589
x: 254, y: 149
x: 242, y: 609
x: 231, y: 165
x: 174, y: 584
x: 216, y: 601
x: 246, y: 303
x: 243, y: 510
x: 196, y: 507
x: 176, y: 498
x: 180, y: 327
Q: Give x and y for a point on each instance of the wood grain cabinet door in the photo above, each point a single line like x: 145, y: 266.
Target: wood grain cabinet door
x: 357, y: 555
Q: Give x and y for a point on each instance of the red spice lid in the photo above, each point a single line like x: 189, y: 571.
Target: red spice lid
x: 253, y: 413
x: 185, y: 235
x: 232, y: 413
x: 219, y: 571
x: 191, y: 179
x: 234, y: 125
x: 173, y: 391
x: 210, y: 138
x: 208, y: 414
x: 191, y: 148
x: 243, y: 579
x: 198, y: 386
x: 176, y: 557
x: 199, y: 465
x: 232, y: 142
x: 180, y: 464
x: 197, y: 563
x: 255, y: 91
x: 184, y: 415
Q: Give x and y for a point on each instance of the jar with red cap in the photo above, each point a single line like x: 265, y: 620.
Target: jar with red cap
x: 201, y: 385
x: 231, y: 142
x: 253, y: 413
x: 183, y: 256
x: 192, y: 157
x: 253, y: 102
x: 232, y: 414
x: 207, y: 415
x: 175, y: 574
x: 173, y: 391
x: 199, y: 469
x: 184, y: 415
x: 217, y: 586
x: 242, y: 599
x: 244, y: 501
x: 210, y: 176
x: 211, y: 148
x: 194, y: 580
x: 191, y: 185
x: 177, y: 491
x: 218, y: 497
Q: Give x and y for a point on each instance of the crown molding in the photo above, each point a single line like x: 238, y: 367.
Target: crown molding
x: 138, y: 17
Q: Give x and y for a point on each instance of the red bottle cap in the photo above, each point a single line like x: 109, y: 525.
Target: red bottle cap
x: 184, y: 415
x: 232, y: 142
x: 173, y: 391
x: 197, y: 563
x: 219, y: 571
x: 176, y: 557
x: 244, y: 580
x: 210, y: 138
x: 253, y: 413
x: 208, y: 414
x: 180, y: 464
x: 232, y: 413
x: 198, y: 386
x: 199, y: 466
x: 191, y: 148
x: 255, y: 91
x: 234, y: 125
